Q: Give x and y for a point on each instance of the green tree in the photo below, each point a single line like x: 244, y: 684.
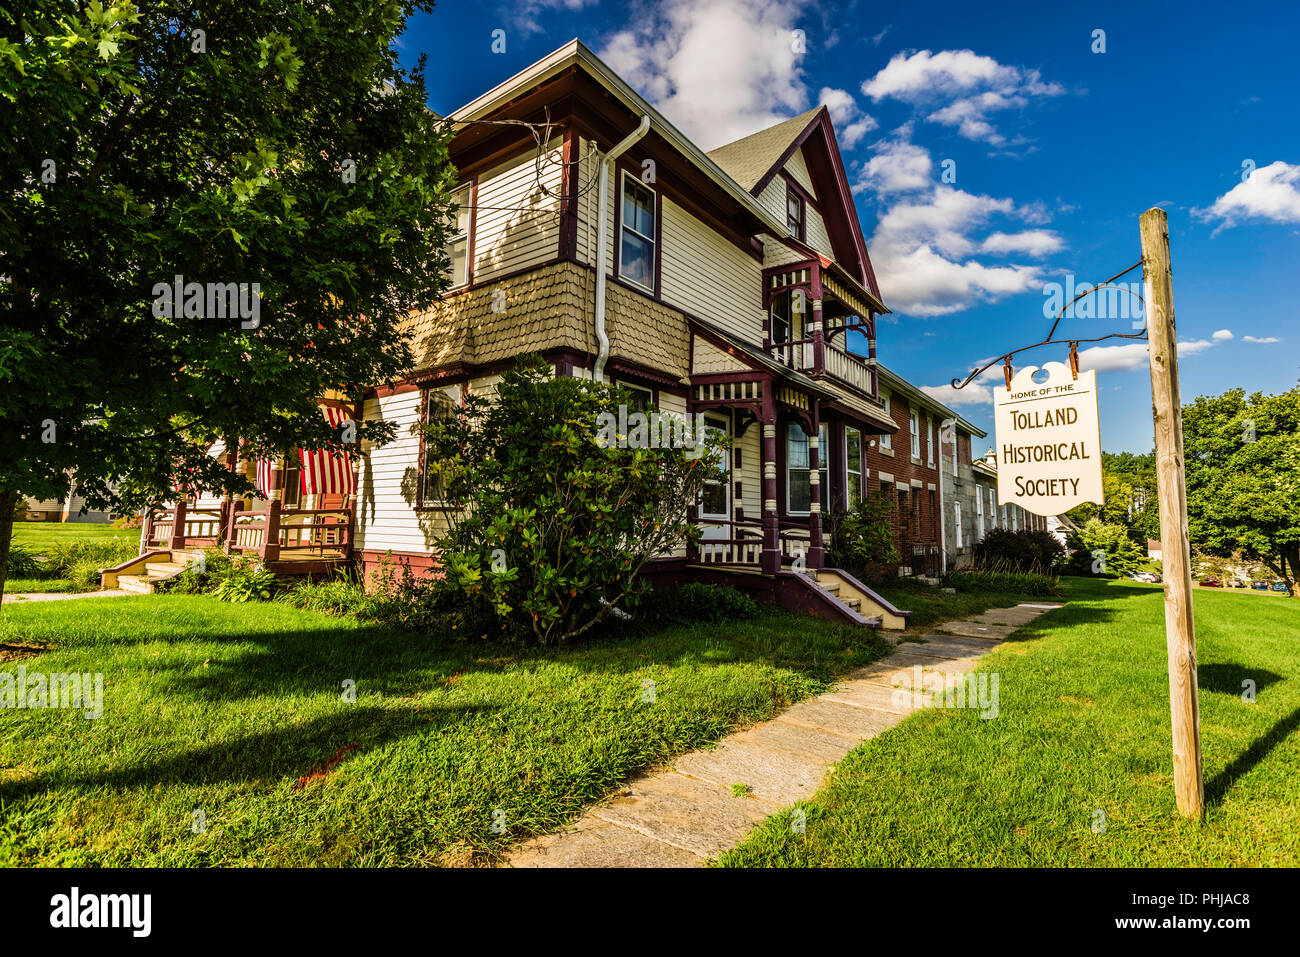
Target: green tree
x: 227, y: 142
x: 1243, y: 478
x: 1104, y: 548
x: 552, y: 517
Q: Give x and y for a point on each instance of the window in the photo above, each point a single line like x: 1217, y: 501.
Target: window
x: 852, y: 465
x: 915, y: 426
x: 641, y: 399
x: 796, y: 213
x: 930, y: 445
x: 715, y: 496
x: 798, y: 490
x: 789, y: 316
x: 886, y: 440
x: 636, y: 257
x: 956, y: 509
x: 457, y: 248
x: 979, y: 514
x: 437, y: 406
x: 292, y: 497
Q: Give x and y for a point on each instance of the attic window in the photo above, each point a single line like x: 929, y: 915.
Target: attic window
x: 796, y: 214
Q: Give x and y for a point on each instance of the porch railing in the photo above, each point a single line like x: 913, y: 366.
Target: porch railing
x: 849, y: 368
x: 743, y: 544
x: 267, y: 532
x: 797, y: 354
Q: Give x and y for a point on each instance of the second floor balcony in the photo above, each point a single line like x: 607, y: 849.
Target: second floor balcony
x: 823, y: 324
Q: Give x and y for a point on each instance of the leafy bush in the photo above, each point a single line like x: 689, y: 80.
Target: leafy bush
x: 553, y: 515
x: 247, y: 583
x: 24, y: 564
x: 1023, y: 550
x: 84, y: 574
x: 1003, y: 580
x: 128, y: 521
x: 863, y: 536
x: 697, y: 601
x: 1105, y: 547
x: 216, y: 567
x: 427, y: 605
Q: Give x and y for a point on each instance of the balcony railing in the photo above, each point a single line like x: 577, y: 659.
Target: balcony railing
x: 795, y: 355
x: 849, y: 369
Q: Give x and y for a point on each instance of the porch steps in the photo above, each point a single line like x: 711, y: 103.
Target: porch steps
x: 142, y: 575
x: 832, y: 588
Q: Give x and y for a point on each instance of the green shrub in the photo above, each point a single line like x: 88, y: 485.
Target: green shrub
x: 1105, y: 550
x: 84, y: 574
x: 198, y: 579
x: 1003, y: 580
x: 1024, y: 550
x: 342, y: 595
x: 247, y: 582
x: 554, y: 514
x: 60, y: 557
x: 432, y: 606
x: 697, y: 601
x: 24, y: 564
x: 863, y: 536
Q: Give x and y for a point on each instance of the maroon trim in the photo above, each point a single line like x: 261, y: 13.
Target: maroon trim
x: 790, y: 189
x: 569, y: 197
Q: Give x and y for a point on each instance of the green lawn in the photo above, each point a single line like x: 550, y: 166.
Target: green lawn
x: 1083, y: 727
x: 223, y: 708
x: 38, y: 535
x: 929, y: 606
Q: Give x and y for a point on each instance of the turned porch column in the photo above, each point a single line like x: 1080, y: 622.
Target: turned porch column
x: 270, y: 550
x: 815, y: 551
x: 770, y: 560
x: 178, y: 525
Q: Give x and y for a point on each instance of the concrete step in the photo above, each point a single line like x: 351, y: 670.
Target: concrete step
x: 831, y: 588
x: 136, y: 584
x: 854, y: 603
x: 164, y: 569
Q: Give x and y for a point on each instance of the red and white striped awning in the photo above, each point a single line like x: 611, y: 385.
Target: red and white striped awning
x: 323, y: 472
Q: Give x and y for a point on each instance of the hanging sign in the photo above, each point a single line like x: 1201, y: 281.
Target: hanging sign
x: 1049, y: 440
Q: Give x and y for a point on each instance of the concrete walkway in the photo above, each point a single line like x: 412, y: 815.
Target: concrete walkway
x: 60, y: 595
x: 684, y: 816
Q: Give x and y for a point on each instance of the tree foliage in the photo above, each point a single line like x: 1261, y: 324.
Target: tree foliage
x: 549, y: 525
x: 1104, y: 548
x: 225, y: 142
x: 1243, y: 478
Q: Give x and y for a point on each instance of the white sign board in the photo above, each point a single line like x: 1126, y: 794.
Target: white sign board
x: 1048, y: 440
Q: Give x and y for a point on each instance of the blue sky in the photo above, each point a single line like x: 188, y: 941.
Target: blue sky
x: 1056, y: 150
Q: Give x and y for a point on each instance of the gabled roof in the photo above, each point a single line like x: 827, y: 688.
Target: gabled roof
x: 755, y: 159
x: 750, y: 158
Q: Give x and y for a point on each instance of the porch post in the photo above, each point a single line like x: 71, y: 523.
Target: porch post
x: 819, y: 342
x: 871, y: 355
x: 270, y: 550
x: 178, y: 526
x: 770, y: 562
x: 815, y: 551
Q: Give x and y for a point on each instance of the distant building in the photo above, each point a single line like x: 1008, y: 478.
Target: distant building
x: 1060, y: 526
x: 1153, y: 550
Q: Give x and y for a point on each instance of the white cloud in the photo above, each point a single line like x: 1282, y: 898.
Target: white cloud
x: 720, y: 70
x: 1221, y: 335
x: 1133, y: 356
x: 1032, y: 242
x: 1265, y: 339
x: 1272, y: 193
x: 925, y: 244
x: 527, y: 14
x: 977, y: 393
x: 972, y: 85
x: 851, y: 124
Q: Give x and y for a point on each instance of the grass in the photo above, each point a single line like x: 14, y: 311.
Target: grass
x: 40, y: 535
x: 1083, y: 727
x: 930, y: 605
x: 238, y: 712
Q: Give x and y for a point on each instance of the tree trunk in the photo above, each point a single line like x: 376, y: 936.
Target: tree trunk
x: 8, y: 500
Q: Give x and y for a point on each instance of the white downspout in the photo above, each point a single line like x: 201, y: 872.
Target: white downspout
x: 602, y: 237
x: 943, y: 513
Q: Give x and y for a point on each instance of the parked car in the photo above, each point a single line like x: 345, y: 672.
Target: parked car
x: 1259, y: 586
x: 1149, y: 577
x: 1210, y: 583
x: 1280, y: 586
x: 1238, y: 583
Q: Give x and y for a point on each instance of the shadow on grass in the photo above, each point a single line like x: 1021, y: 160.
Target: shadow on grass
x: 286, y: 752
x: 1221, y: 783
x: 1230, y: 678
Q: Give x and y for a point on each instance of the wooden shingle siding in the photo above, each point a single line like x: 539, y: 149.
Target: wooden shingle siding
x: 797, y: 167
x: 708, y: 276
x: 516, y: 221
x: 646, y: 332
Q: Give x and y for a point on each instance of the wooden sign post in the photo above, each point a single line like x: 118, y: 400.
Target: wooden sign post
x: 1180, y: 634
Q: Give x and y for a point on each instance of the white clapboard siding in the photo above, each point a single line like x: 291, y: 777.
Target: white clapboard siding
x: 516, y: 219
x: 750, y: 474
x: 706, y: 275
